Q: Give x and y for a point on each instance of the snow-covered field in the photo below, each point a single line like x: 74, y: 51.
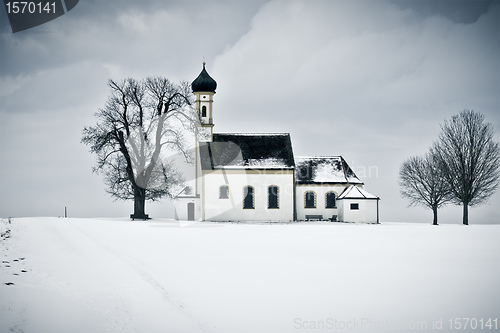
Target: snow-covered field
x: 90, y: 275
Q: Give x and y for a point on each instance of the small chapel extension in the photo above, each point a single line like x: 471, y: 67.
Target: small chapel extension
x: 256, y: 177
x: 319, y: 182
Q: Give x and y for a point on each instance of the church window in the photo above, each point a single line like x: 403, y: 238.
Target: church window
x: 224, y: 192
x: 248, y: 197
x: 354, y: 206
x: 273, y: 197
x: 310, y: 199
x: 204, y: 111
x: 330, y: 200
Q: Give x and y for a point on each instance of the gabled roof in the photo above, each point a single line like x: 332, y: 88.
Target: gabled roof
x: 354, y: 192
x: 247, y: 151
x: 187, y: 192
x: 324, y: 170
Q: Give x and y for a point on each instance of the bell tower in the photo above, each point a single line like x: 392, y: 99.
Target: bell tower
x: 204, y: 89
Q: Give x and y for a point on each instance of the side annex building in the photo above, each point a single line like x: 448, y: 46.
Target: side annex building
x: 256, y: 177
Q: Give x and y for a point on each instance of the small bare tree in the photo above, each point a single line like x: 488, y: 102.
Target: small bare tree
x: 469, y: 158
x: 422, y: 182
x: 141, y: 119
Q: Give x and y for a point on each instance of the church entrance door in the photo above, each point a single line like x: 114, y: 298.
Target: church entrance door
x: 190, y: 209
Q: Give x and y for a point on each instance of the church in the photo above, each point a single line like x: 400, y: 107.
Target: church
x: 256, y: 177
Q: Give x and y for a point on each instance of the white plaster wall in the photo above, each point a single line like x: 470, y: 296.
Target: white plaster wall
x: 367, y: 212
x: 320, y: 209
x: 371, y: 211
x: 204, y: 99
x: 181, y: 210
x: 231, y: 209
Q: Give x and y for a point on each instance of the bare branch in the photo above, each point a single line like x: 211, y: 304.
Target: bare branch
x: 422, y: 182
x: 469, y: 158
x: 138, y: 120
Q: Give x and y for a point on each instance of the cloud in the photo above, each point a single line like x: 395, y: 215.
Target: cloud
x: 360, y: 52
x: 457, y: 11
x: 141, y: 37
x: 56, y: 90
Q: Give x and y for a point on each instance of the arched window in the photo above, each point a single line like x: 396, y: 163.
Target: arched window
x: 330, y: 200
x: 273, y: 197
x: 224, y: 192
x: 248, y: 197
x: 310, y: 199
x: 203, y: 111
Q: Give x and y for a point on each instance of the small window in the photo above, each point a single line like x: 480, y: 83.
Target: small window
x: 273, y: 197
x: 330, y: 200
x: 203, y: 111
x: 310, y: 199
x: 224, y: 192
x: 248, y: 197
x: 354, y: 206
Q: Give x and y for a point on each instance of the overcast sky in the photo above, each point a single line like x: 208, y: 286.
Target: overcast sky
x: 369, y: 80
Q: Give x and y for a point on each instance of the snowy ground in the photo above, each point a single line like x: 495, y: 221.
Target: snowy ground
x: 89, y: 275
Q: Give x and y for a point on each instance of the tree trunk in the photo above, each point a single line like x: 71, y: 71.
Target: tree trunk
x: 466, y: 213
x: 435, y: 213
x: 139, y: 204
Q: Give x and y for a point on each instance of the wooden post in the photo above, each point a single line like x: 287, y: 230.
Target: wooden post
x: 65, y: 212
x: 378, y: 219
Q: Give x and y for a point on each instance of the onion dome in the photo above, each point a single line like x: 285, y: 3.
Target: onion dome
x: 204, y: 82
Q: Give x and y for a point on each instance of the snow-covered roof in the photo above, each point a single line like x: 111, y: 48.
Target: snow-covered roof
x: 247, y: 151
x: 326, y: 169
x: 220, y: 135
x: 187, y: 192
x: 354, y: 192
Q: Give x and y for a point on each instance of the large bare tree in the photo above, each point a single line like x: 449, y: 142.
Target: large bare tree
x: 139, y: 122
x: 422, y: 182
x: 469, y: 158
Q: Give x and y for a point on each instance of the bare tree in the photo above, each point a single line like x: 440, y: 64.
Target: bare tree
x: 141, y: 119
x: 469, y: 158
x: 422, y: 182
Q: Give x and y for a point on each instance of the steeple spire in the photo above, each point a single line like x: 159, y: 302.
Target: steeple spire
x: 204, y: 82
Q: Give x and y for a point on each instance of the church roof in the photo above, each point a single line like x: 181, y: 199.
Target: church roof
x: 247, y: 151
x: 354, y: 192
x: 324, y: 170
x: 204, y: 82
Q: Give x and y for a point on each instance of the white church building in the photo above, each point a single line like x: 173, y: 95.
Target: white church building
x: 256, y: 177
